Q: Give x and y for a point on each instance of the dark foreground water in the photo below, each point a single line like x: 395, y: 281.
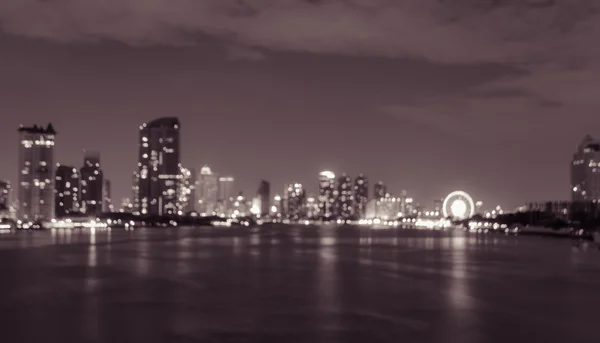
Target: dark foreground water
x: 295, y: 284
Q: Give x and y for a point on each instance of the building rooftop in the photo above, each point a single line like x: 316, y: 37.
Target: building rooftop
x: 38, y: 129
x: 590, y: 143
x: 166, y: 121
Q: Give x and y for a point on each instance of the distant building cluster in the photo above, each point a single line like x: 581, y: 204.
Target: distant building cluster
x: 340, y: 198
x: 47, y: 190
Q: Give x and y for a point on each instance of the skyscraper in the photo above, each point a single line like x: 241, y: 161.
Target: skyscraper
x: 264, y: 196
x: 36, y: 172
x: 158, y: 166
x: 361, y: 196
x: 107, y: 205
x: 585, y: 171
x: 296, y: 201
x: 207, y: 190
x: 226, y: 194
x: 92, y: 184
x: 187, y: 190
x: 135, y: 193
x: 66, y: 193
x: 379, y: 190
x: 326, y: 196
x: 312, y: 208
x: 4, y: 196
x: 344, y: 197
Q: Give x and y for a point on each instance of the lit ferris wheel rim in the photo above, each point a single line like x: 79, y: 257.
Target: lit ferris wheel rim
x: 459, y: 205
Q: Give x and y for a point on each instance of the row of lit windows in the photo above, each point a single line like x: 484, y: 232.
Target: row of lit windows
x: 44, y: 143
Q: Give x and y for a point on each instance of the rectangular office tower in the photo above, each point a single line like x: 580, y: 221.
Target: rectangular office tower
x: 36, y: 172
x: 66, y: 194
x: 159, y: 167
x: 92, y: 184
x: 585, y: 171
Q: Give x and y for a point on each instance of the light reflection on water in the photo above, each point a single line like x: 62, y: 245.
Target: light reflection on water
x: 433, y: 285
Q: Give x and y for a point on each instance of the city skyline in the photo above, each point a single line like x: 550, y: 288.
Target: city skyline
x: 379, y: 187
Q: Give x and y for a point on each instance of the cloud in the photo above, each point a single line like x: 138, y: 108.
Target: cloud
x: 523, y: 31
x: 555, y: 41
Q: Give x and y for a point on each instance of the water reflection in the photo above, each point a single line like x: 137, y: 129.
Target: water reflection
x: 143, y: 257
x: 338, y: 285
x: 327, y: 283
x: 92, y: 255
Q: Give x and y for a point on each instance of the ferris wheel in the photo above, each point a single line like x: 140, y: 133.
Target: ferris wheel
x: 458, y: 205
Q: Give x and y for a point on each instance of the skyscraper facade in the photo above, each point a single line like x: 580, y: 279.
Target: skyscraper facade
x: 264, y: 196
x: 135, y: 193
x: 5, y: 191
x: 207, y: 191
x: 344, y: 197
x: 379, y: 190
x: 187, y: 190
x: 36, y: 172
x: 66, y: 192
x: 585, y: 171
x: 92, y: 184
x: 226, y: 194
x: 361, y: 196
x: 107, y: 205
x: 296, y: 202
x: 326, y: 198
x: 159, y: 166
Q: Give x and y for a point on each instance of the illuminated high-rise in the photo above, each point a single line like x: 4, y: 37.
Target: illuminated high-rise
x: 312, y: 208
x: 326, y: 198
x: 5, y: 191
x: 187, y: 190
x: 36, y: 172
x: 227, y: 194
x: 207, y: 191
x: 92, y: 184
x: 264, y: 196
x: 585, y: 171
x: 107, y: 205
x: 379, y: 190
x: 361, y: 196
x: 66, y: 193
x: 135, y: 193
x: 158, y: 166
x: 344, y: 197
x: 226, y: 191
x: 295, y: 196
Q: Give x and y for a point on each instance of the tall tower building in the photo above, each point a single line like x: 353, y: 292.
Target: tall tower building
x: 36, y: 172
x: 226, y: 193
x: 312, y: 208
x: 207, y: 190
x: 264, y: 196
x: 92, y: 184
x: 66, y: 193
x: 107, y: 205
x: 135, y: 193
x: 326, y: 196
x: 296, y: 202
x: 585, y: 171
x: 187, y: 190
x: 5, y: 191
x: 361, y: 196
x: 344, y: 197
x: 158, y: 166
x: 379, y: 190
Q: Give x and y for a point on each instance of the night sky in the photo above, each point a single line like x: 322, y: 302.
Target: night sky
x: 488, y: 96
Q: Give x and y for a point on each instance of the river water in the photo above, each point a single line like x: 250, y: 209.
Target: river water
x: 296, y: 284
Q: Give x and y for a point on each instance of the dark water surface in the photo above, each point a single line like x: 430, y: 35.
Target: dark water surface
x: 295, y: 284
